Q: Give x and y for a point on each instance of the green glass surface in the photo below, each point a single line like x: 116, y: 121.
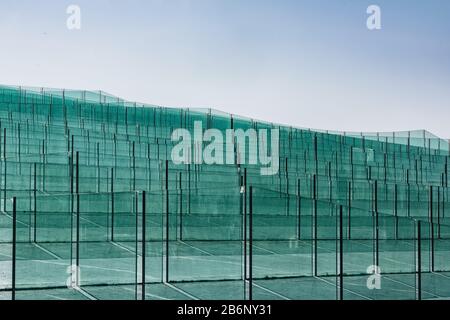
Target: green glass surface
x: 93, y: 207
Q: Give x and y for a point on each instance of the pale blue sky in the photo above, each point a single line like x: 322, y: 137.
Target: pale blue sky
x: 309, y: 63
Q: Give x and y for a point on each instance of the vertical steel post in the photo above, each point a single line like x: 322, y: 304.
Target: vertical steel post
x: 14, y: 249
x: 377, y: 232
x: 432, y: 228
x: 419, y: 261
x: 315, y: 241
x: 349, y: 210
x: 34, y: 205
x: 250, y: 248
x: 167, y: 220
x: 77, y: 188
x: 299, y: 210
x: 144, y: 239
x: 341, y: 254
x: 396, y: 212
x: 112, y: 204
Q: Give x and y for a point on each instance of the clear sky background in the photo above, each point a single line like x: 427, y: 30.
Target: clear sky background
x: 308, y: 63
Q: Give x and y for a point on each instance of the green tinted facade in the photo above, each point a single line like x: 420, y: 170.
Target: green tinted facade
x: 93, y: 207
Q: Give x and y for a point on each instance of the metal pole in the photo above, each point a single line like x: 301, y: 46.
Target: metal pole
x: 349, y: 210
x: 250, y: 249
x: 299, y: 210
x: 167, y: 221
x: 181, y: 207
x: 34, y: 206
x: 396, y: 211
x: 419, y: 261
x: 315, y: 224
x: 377, y: 251
x: 432, y: 228
x: 144, y: 252
x: 341, y: 255
x: 112, y: 204
x: 14, y: 248
x: 77, y: 258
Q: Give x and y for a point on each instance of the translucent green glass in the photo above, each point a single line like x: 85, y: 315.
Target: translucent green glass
x: 92, y: 206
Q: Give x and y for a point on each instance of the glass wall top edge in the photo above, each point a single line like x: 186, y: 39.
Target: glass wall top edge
x: 102, y: 97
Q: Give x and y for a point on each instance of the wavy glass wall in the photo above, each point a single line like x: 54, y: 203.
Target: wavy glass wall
x: 93, y: 207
